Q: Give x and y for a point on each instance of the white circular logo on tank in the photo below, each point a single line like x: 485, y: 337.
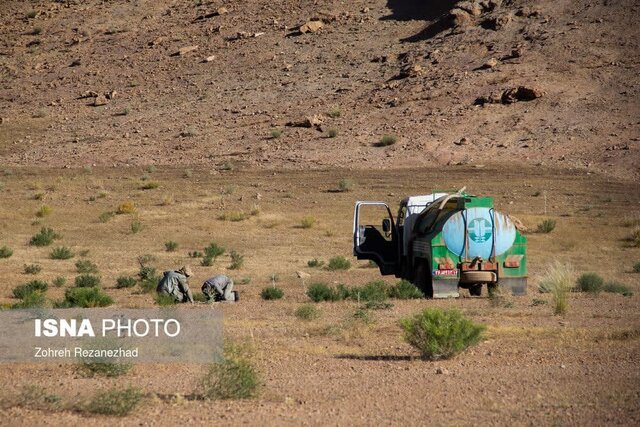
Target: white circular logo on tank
x: 483, y: 226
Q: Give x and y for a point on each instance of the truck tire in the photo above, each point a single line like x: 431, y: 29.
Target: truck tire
x: 475, y: 290
x: 422, y: 279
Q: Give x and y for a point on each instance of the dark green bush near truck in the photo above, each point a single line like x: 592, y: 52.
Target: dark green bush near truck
x: 440, y: 334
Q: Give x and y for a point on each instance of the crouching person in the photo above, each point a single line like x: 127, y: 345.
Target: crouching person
x: 174, y: 283
x: 219, y: 288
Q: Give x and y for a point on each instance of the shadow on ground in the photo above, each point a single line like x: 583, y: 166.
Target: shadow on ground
x: 378, y: 357
x: 434, y: 11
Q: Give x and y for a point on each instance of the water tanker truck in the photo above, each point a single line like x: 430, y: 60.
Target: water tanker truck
x: 442, y: 242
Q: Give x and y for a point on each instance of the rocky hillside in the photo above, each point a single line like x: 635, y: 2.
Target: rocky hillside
x: 281, y: 83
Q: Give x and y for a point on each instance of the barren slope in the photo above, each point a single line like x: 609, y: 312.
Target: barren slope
x: 391, y: 67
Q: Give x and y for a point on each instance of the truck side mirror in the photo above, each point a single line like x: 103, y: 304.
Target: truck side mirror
x: 386, y: 225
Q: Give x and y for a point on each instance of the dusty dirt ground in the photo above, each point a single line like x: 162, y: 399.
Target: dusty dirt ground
x: 533, y: 367
x: 96, y: 101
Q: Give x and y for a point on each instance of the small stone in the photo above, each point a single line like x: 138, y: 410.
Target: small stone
x: 222, y: 10
x: 311, y: 27
x: 209, y: 58
x: 100, y: 100
x: 463, y: 141
x: 492, y: 62
x: 184, y: 50
x: 442, y: 371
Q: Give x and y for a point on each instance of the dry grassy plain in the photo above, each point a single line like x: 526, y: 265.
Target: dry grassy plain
x: 533, y: 368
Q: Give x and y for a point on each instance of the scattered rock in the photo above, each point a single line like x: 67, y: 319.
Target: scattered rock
x: 222, y: 10
x: 410, y: 70
x: 75, y: 63
x: 302, y: 275
x: 311, y: 27
x: 521, y: 93
x: 111, y: 95
x: 157, y: 41
x: 308, y: 122
x: 496, y: 23
x: 509, y: 96
x: 184, y: 50
x: 100, y: 100
x: 88, y: 94
x: 209, y: 58
x: 442, y: 371
x: 492, y: 62
x: 463, y: 141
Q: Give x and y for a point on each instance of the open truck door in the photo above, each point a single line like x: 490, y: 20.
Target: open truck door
x: 376, y: 243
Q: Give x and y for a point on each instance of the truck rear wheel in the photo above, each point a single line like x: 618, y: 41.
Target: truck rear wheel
x: 422, y: 279
x: 475, y: 290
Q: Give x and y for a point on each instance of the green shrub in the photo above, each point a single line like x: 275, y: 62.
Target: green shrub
x: 234, y: 216
x: 87, y: 281
x: 32, y: 269
x: 106, y: 216
x: 307, y: 222
x: 332, y: 132
x: 201, y: 298
x: 441, y: 334
x: 315, y: 263
x: 237, y: 261
x: 86, y: 298
x: 45, y: 237
x: 538, y: 301
x: 109, y: 367
x: 373, y: 291
x: 321, y: 292
x: 405, y: 290
x: 377, y: 305
x: 636, y: 266
x: 136, y: 226
x: 213, y: 250
x: 617, y: 288
x: 61, y: 252
x: 195, y: 254
x: 43, y: 211
x: 126, y: 282
x: 590, y: 282
x: 345, y: 185
x: 5, y: 252
x: 276, y: 133
x: 387, y: 140
x: 234, y: 378
x: 307, y: 312
x: 115, y: 402
x: 22, y: 291
x: 164, y: 300
x: 35, y: 397
x: 547, y: 226
x: 171, y: 246
x: 334, y: 112
x: 32, y: 300
x: 338, y: 263
x: 271, y: 293
x: 86, y: 266
x: 59, y: 281
x: 147, y: 275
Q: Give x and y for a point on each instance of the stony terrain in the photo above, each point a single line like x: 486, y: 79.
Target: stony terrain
x: 196, y: 111
x: 146, y: 81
